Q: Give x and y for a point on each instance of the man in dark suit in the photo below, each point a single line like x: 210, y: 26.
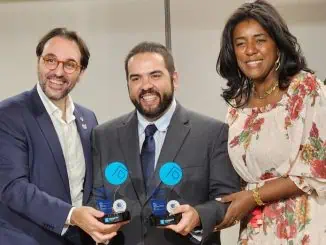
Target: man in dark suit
x: 160, y: 130
x: 45, y: 153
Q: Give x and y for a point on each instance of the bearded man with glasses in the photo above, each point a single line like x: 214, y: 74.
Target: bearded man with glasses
x: 45, y: 153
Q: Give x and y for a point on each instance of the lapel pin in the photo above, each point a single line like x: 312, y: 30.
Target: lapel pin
x: 84, y: 126
x: 81, y: 119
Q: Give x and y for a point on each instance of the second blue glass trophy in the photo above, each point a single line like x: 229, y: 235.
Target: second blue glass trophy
x: 162, y: 207
x: 116, y: 173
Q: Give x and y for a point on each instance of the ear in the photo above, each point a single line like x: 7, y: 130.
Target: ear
x: 175, y: 80
x: 80, y: 75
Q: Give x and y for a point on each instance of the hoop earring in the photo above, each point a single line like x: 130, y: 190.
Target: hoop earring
x: 277, y: 63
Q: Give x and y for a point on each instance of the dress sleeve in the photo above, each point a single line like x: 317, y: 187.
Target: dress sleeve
x: 306, y: 127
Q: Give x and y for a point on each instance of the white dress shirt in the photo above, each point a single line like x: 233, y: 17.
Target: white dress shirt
x: 71, y: 147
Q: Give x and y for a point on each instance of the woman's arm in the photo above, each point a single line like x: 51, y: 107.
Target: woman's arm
x: 243, y: 202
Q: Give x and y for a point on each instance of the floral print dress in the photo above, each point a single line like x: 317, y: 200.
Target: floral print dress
x: 284, y: 139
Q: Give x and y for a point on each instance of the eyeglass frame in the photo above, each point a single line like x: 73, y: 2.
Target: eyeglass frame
x: 63, y: 64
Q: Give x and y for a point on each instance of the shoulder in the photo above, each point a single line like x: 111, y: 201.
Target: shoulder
x: 304, y: 84
x: 204, y: 122
x: 13, y: 114
x: 206, y: 129
x: 115, y: 123
x: 83, y: 109
x: 15, y: 105
x: 305, y: 93
x: 84, y: 113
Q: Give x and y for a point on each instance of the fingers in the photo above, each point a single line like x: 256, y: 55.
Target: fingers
x: 226, y: 199
x: 106, y: 228
x: 229, y: 218
x: 190, y: 219
x: 181, y: 228
x: 87, y: 219
x: 96, y: 213
x: 228, y: 221
x: 102, y: 238
x: 105, y: 232
x: 181, y: 209
x: 82, y: 215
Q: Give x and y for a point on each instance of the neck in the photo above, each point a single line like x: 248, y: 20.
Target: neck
x: 266, y: 82
x: 264, y: 93
x: 153, y: 119
x: 62, y: 105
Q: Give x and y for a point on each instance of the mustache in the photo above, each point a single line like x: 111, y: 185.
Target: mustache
x: 149, y: 91
x: 55, y: 77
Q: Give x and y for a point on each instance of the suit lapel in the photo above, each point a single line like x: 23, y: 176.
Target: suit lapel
x: 84, y: 133
x: 174, y: 139
x: 129, y: 142
x: 44, y: 121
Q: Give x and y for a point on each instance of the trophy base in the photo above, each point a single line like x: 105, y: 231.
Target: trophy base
x: 115, y: 217
x: 165, y: 219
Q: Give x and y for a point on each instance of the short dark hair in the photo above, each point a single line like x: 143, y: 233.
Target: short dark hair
x: 291, y: 57
x: 151, y: 47
x: 67, y: 34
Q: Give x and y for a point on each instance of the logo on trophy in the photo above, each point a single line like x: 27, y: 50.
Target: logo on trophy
x: 116, y: 173
x: 162, y: 208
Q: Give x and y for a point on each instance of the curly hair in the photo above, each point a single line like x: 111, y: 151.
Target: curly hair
x: 292, y: 60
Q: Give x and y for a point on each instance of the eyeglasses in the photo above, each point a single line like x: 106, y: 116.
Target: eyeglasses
x: 69, y: 66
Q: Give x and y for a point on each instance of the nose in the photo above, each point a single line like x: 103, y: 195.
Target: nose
x: 146, y: 83
x: 59, y: 70
x: 251, y: 48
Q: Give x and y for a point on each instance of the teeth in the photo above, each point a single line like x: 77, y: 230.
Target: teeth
x: 149, y: 97
x: 255, y: 62
x: 57, y: 82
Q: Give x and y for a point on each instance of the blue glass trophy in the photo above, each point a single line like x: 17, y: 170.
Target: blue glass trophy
x: 162, y: 208
x: 115, y: 211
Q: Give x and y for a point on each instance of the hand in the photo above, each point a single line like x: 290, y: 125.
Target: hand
x: 87, y: 219
x: 190, y: 219
x: 241, y: 204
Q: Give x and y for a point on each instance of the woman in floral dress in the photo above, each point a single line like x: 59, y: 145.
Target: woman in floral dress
x: 277, y: 131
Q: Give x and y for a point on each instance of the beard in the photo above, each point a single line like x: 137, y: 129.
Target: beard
x: 153, y: 113
x: 55, y: 96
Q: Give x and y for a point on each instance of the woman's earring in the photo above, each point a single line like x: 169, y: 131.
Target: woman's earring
x: 277, y: 62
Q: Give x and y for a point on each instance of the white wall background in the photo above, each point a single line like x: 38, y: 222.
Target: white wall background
x: 112, y: 27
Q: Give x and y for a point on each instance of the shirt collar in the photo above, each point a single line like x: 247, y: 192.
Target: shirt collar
x: 161, y: 123
x: 52, y: 109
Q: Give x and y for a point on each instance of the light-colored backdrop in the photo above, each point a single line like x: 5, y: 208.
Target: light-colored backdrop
x: 112, y: 27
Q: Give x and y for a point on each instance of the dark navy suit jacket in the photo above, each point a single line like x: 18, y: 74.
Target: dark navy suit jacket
x: 34, y: 186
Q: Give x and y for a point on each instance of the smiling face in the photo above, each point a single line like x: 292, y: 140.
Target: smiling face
x: 255, y: 51
x: 56, y: 83
x: 151, y: 88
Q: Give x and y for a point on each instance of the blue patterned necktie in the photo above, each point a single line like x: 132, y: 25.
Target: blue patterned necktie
x: 147, y: 155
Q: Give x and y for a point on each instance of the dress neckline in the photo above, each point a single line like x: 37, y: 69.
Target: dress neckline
x: 268, y: 107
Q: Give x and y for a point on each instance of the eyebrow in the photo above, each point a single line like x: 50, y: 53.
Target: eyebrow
x: 155, y: 71
x: 150, y: 73
x: 133, y: 75
x: 256, y: 35
x: 53, y: 55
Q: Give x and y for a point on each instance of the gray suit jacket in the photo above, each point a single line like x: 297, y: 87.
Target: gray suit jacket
x: 197, y: 143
